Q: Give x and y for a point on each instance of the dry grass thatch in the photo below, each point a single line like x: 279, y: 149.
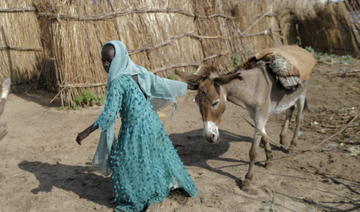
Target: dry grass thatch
x: 163, y: 35
x: 76, y: 44
x: 160, y: 35
x: 258, y: 17
x: 20, y: 45
x: 331, y: 31
x: 353, y: 7
x: 326, y: 26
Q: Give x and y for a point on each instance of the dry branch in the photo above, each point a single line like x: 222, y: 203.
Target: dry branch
x: 315, y: 147
x: 257, y: 20
x: 111, y: 15
x: 82, y: 85
x: 265, y: 32
x: 273, y: 142
x: 15, y: 10
x: 57, y: 95
x: 241, y: 34
x: 335, y: 134
x: 344, y: 73
x: 165, y: 43
x: 181, y: 65
x: 200, y: 37
x: 20, y: 48
x: 215, y: 56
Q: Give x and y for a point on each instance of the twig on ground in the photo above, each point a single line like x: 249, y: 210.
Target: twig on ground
x: 315, y: 147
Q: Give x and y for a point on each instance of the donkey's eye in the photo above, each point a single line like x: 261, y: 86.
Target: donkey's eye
x: 215, y: 103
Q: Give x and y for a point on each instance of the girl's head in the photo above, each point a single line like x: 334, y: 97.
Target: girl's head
x: 116, y: 60
x: 107, y: 55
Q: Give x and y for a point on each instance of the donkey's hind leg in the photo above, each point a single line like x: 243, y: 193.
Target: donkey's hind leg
x: 283, y: 134
x: 300, y: 107
x: 267, y: 148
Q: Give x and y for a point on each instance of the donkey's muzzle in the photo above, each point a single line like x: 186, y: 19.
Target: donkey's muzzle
x: 211, y: 132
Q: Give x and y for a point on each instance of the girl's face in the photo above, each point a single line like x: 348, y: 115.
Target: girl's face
x: 107, y: 55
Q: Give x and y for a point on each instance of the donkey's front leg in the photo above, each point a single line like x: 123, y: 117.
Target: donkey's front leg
x: 260, y: 122
x: 252, y: 155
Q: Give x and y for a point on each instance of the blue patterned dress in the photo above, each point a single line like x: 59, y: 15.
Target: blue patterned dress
x: 144, y: 164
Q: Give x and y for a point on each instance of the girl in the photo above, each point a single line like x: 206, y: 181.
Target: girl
x: 145, y: 166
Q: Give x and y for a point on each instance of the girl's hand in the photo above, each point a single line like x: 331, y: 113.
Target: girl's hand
x: 81, y: 136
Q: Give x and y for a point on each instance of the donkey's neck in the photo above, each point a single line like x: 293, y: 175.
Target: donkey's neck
x: 251, y: 91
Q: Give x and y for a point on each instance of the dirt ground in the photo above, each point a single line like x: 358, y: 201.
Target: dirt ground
x: 43, y: 169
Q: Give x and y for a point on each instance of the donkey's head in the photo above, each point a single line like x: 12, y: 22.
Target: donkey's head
x: 210, y: 97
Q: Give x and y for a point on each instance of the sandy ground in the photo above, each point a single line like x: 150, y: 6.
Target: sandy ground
x: 43, y: 169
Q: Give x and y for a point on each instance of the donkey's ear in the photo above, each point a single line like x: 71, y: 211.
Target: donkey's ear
x: 226, y: 78
x: 187, y: 76
x: 192, y: 80
x: 192, y: 85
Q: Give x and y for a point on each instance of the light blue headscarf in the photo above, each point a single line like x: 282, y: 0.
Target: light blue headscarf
x: 153, y: 86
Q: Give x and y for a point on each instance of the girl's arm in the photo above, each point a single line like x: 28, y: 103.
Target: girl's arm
x: 109, y: 114
x: 169, y: 88
x: 81, y: 136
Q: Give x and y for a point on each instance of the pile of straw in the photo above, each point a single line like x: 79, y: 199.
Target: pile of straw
x: 330, y: 31
x: 327, y: 26
x: 20, y: 45
x: 324, y: 25
x: 353, y: 7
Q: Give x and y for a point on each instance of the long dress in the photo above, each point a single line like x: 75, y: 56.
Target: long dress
x: 144, y: 164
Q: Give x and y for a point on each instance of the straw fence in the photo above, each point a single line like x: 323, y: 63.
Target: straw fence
x: 58, y: 42
x: 333, y: 29
x: 20, y: 45
x: 161, y: 37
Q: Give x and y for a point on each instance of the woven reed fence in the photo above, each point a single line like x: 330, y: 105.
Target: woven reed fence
x: 20, y: 44
x: 61, y: 46
x: 160, y: 35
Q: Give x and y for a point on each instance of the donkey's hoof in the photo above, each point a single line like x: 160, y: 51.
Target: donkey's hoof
x: 268, y: 165
x: 245, y: 184
x: 246, y: 187
x: 292, y: 149
x: 249, y: 190
x: 283, y: 149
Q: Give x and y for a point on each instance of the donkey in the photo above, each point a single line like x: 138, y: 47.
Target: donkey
x: 258, y: 92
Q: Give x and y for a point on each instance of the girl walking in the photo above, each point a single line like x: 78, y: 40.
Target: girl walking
x: 143, y: 163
